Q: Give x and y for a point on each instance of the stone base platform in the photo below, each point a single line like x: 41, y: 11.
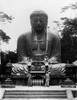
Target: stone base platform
x: 38, y: 93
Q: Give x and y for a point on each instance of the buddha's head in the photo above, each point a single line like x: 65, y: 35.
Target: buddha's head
x: 39, y: 20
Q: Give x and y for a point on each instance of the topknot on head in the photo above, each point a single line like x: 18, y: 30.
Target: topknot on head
x: 39, y: 12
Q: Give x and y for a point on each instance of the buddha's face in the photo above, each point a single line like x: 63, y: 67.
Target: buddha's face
x: 39, y: 22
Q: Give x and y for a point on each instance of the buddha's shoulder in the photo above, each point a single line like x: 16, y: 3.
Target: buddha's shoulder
x: 25, y: 35
x: 52, y: 35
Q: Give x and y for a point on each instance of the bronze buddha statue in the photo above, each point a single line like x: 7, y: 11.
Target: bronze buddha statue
x: 38, y: 44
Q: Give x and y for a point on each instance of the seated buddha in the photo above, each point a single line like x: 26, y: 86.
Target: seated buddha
x: 39, y: 45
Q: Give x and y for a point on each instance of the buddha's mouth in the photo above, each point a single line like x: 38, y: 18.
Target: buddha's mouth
x: 39, y: 28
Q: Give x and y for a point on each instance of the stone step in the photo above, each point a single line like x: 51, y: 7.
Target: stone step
x: 34, y: 94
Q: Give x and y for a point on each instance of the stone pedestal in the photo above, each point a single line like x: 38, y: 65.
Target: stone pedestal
x: 8, y: 83
x: 68, y: 82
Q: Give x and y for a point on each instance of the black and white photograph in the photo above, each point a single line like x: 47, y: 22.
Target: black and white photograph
x: 38, y: 50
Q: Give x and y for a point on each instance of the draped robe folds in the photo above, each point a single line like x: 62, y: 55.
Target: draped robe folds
x: 26, y: 48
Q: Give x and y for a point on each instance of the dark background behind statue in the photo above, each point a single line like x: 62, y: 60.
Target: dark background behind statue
x: 5, y: 58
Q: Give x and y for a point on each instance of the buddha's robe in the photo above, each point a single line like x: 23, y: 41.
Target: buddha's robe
x: 28, y: 46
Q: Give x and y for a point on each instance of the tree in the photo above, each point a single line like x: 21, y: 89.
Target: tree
x: 67, y: 30
x: 5, y: 38
x: 69, y: 40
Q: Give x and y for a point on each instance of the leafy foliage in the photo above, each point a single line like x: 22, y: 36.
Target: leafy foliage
x: 4, y: 17
x: 69, y: 40
x: 70, y: 26
x: 72, y: 6
x: 4, y: 37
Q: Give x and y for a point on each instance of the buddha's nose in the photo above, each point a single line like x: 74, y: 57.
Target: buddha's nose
x: 38, y: 23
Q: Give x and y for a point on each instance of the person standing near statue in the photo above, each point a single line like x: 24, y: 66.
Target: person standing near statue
x: 29, y: 79
x: 47, y: 79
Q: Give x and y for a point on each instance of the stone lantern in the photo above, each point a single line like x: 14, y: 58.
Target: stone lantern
x: 8, y: 83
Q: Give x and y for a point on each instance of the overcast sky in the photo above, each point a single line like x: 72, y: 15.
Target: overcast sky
x: 21, y: 10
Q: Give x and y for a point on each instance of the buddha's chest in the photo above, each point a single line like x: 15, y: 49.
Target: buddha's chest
x: 39, y: 47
